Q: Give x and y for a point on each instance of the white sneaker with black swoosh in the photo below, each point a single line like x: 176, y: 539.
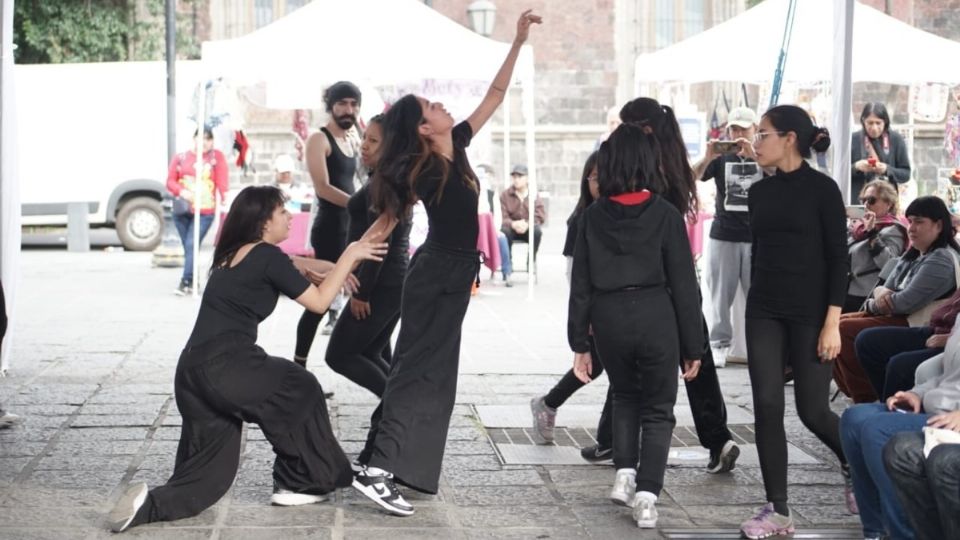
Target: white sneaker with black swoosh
x: 380, y: 488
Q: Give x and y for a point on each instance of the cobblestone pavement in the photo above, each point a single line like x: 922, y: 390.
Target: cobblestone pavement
x: 96, y: 340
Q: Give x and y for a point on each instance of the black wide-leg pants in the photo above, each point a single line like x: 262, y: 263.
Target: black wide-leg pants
x: 218, y: 386
x: 414, y: 414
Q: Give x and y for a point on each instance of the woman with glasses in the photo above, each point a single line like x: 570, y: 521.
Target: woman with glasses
x: 798, y: 225
x: 876, y: 153
x: 874, y: 239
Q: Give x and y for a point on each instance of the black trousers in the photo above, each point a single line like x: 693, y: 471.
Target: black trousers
x: 328, y: 238
x: 637, y: 338
x: 512, y: 237
x: 773, y: 344
x: 220, y: 385
x: 356, y: 348
x: 410, y: 437
x: 569, y: 384
x: 928, y: 488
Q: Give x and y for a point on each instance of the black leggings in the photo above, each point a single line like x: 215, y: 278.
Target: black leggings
x: 569, y: 384
x: 356, y: 348
x: 773, y: 344
x: 328, y: 237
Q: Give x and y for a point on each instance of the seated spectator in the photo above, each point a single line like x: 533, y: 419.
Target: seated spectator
x: 890, y: 355
x: 927, y: 272
x: 297, y: 194
x: 515, y: 210
x: 874, y: 240
x: 927, y: 486
x: 866, y: 428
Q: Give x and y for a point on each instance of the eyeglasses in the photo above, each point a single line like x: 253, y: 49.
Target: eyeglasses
x: 868, y: 200
x: 760, y: 135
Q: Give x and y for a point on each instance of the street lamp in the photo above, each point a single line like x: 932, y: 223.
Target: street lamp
x: 482, y: 13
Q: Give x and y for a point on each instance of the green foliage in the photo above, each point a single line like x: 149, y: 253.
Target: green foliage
x: 57, y: 31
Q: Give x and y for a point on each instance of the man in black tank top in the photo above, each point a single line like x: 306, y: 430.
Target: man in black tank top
x: 332, y: 163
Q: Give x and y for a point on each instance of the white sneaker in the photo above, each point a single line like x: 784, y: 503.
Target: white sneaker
x: 126, y: 508
x: 8, y: 419
x: 285, y: 497
x: 645, y: 512
x: 624, y: 487
x: 720, y: 356
x: 381, y: 489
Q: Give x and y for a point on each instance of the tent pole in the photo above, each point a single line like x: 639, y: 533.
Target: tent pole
x: 533, y: 190
x: 9, y: 183
x: 198, y: 169
x: 842, y: 88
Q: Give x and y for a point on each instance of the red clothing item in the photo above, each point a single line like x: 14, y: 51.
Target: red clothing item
x: 942, y: 318
x: 215, y: 177
x: 632, y: 199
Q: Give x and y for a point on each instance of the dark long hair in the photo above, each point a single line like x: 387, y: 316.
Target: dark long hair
x: 786, y: 118
x: 876, y: 109
x: 251, y: 209
x: 585, y: 197
x: 628, y: 161
x: 680, y: 186
x: 934, y: 209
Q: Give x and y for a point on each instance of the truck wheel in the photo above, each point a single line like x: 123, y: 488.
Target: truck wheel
x: 140, y: 224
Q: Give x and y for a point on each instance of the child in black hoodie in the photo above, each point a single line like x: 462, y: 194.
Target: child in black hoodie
x: 634, y: 283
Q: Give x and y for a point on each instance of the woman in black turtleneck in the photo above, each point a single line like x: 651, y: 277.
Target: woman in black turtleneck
x: 799, y: 281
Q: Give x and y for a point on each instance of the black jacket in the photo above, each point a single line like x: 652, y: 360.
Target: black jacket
x: 642, y: 246
x: 896, y: 158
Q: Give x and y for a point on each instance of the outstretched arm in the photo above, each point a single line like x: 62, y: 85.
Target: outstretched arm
x: 501, y: 82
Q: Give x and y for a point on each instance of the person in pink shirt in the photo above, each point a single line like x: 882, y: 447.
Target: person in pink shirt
x: 182, y: 183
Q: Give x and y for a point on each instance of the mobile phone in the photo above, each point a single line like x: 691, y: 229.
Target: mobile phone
x: 856, y: 211
x: 726, y: 147
x: 902, y: 411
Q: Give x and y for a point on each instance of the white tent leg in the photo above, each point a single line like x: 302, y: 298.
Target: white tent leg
x: 9, y: 183
x: 533, y: 190
x: 842, y: 89
x: 198, y: 167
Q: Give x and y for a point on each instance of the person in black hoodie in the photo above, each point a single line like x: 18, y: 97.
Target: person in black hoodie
x: 877, y: 152
x: 634, y: 284
x: 799, y: 258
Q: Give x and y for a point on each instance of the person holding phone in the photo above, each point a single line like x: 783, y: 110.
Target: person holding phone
x: 875, y: 236
x: 731, y: 165
x: 876, y: 152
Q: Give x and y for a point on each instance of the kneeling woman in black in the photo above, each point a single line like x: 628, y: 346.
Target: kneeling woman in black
x: 224, y: 379
x: 424, y: 157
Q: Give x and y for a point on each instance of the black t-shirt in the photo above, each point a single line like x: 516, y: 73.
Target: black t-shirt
x: 729, y: 226
x: 237, y: 299
x: 390, y: 271
x: 452, y: 214
x: 799, y: 258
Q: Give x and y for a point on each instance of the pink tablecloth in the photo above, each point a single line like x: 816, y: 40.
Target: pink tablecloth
x: 298, y: 243
x: 487, y: 241
x: 695, y: 233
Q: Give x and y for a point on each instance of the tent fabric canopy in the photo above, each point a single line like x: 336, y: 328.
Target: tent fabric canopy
x: 298, y: 55
x: 745, y: 49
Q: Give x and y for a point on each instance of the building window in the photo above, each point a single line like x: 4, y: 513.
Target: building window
x: 295, y: 4
x: 665, y: 23
x: 262, y: 13
x: 693, y: 17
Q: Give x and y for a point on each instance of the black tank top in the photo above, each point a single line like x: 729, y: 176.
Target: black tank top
x: 340, y: 170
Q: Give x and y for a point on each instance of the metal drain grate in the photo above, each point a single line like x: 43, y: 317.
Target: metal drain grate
x: 583, y: 437
x: 724, y: 534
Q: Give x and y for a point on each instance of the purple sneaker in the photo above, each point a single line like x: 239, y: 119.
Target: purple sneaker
x: 766, y: 524
x: 848, y: 494
x: 544, y: 419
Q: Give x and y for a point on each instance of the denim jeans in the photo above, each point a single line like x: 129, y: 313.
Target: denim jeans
x: 505, y: 265
x: 185, y: 230
x: 889, y: 355
x: 928, y: 488
x: 864, y: 430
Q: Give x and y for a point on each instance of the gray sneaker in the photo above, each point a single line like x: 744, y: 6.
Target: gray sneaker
x: 126, y: 508
x: 724, y: 459
x: 544, y: 420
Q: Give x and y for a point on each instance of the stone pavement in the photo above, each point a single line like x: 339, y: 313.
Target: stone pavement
x: 96, y: 340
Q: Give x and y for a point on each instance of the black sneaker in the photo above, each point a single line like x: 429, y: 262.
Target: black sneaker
x: 724, y: 459
x: 596, y: 454
x: 331, y: 322
x: 381, y: 490
x: 183, y: 289
x: 126, y: 508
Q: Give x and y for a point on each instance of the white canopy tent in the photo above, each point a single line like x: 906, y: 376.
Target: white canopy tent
x: 289, y: 62
x: 821, y: 36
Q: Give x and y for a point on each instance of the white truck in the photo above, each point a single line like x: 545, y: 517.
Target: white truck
x: 96, y: 134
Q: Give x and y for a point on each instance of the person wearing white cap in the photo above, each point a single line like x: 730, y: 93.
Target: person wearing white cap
x: 732, y: 167
x: 297, y: 194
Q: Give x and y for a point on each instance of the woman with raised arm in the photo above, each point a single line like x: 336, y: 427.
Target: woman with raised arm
x: 224, y: 379
x: 424, y: 157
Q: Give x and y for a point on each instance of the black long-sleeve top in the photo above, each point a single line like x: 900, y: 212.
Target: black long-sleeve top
x: 895, y: 156
x: 389, y: 272
x: 799, y: 256
x: 621, y: 246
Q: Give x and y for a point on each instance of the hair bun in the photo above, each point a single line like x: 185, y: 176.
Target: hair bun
x: 821, y: 139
